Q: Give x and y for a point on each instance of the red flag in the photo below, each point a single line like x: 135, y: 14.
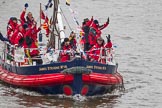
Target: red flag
x: 45, y: 25
x: 42, y: 15
x: 46, y: 28
x: 46, y: 19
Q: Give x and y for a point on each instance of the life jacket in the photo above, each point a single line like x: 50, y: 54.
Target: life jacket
x: 18, y: 36
x: 11, y: 27
x: 92, y: 37
x: 64, y: 55
x: 29, y: 43
x: 96, y: 51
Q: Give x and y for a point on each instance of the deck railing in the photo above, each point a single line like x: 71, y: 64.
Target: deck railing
x: 16, y: 55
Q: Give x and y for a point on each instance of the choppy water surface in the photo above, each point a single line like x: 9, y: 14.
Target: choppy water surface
x: 136, y: 30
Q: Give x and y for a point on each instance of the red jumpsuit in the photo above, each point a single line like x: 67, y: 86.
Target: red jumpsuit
x: 95, y: 51
x: 23, y: 20
x: 12, y: 38
x: 30, y: 24
x: 64, y: 56
x: 17, y: 35
x: 11, y: 28
x: 85, y: 29
x: 108, y: 45
x: 30, y: 43
x: 95, y: 32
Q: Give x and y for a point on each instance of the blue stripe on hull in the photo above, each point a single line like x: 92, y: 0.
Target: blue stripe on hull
x: 58, y: 67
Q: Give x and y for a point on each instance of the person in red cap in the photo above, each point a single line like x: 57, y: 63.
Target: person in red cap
x: 95, y: 31
x: 65, y: 47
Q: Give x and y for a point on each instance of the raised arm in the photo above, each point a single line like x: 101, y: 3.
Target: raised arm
x: 104, y: 25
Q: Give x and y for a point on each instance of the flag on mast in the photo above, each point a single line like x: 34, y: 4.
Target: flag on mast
x: 45, y: 25
x: 43, y: 15
x: 68, y: 2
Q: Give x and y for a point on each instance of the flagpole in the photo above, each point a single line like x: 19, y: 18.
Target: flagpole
x: 54, y: 22
x: 40, y: 13
x: 40, y: 34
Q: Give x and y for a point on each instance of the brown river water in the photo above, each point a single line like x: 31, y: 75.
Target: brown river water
x: 136, y: 31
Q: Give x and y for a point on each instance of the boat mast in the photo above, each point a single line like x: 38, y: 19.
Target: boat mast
x: 54, y: 32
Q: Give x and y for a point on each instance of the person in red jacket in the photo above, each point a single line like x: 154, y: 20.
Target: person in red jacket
x: 109, y: 43
x: 18, y: 35
x: 108, y: 49
x: 30, y: 43
x: 17, y: 38
x: 95, y: 31
x: 31, y: 49
x: 29, y: 18
x: 72, y: 39
x: 30, y: 21
x: 85, y: 28
x: 65, y: 47
x: 11, y: 27
x: 97, y: 50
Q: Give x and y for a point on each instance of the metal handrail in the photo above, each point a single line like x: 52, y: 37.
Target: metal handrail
x: 108, y: 50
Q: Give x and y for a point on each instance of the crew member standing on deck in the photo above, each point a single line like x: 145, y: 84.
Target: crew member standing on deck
x: 72, y: 39
x: 86, y: 27
x: 65, y: 53
x: 97, y: 50
x: 11, y: 27
x: 95, y: 31
x: 30, y: 21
